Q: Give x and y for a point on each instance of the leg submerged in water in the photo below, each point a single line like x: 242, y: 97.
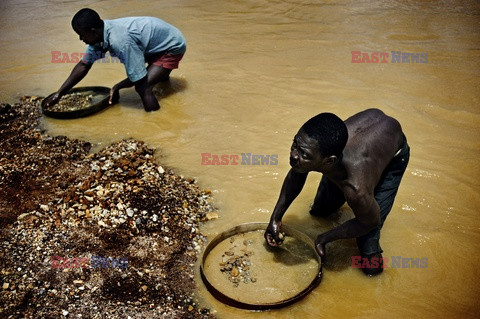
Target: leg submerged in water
x: 373, y: 264
x: 155, y: 74
x: 385, y: 193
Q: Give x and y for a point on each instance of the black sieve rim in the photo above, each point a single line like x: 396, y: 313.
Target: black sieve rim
x: 94, y: 108
x: 243, y: 228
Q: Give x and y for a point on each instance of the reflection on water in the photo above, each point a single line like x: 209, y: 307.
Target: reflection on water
x: 253, y: 73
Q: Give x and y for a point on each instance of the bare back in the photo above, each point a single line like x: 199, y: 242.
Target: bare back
x: 374, y: 138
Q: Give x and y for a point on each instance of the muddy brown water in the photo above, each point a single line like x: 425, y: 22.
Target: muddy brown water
x: 255, y: 71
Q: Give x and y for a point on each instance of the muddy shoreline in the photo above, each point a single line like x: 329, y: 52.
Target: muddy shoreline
x: 93, y: 235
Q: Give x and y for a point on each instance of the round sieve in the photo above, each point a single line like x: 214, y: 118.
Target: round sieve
x: 241, y: 270
x: 99, y: 101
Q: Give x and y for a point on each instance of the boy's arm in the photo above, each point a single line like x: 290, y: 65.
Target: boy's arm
x: 292, y: 186
x: 78, y: 73
x: 114, y: 92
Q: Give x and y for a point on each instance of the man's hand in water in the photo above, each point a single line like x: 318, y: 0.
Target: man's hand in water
x: 273, y: 235
x: 114, y: 95
x: 52, y: 100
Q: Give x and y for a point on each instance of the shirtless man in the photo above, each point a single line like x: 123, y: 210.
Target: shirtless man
x: 362, y: 161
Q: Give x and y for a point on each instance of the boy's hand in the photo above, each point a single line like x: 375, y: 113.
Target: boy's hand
x: 114, y: 95
x: 53, y: 100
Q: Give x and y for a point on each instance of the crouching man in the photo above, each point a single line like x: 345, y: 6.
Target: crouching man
x: 135, y: 41
x: 362, y: 161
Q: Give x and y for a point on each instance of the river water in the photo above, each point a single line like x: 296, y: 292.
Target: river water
x: 254, y: 72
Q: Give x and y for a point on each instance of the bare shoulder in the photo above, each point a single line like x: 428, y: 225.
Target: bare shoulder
x: 370, y: 117
x: 374, y: 126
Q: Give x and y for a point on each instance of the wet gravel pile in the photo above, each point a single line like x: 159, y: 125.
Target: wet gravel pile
x: 109, y: 234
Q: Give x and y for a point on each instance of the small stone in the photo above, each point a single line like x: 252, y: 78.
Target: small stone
x: 65, y: 313
x: 5, y: 285
x: 22, y: 216
x: 129, y: 212
x: 211, y: 215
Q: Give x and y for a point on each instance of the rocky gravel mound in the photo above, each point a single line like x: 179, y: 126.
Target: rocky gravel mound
x: 93, y: 235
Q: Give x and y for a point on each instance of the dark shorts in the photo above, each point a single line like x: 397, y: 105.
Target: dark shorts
x: 330, y: 198
x: 165, y: 60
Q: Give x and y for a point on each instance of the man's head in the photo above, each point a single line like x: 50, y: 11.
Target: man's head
x: 319, y: 143
x: 88, y: 25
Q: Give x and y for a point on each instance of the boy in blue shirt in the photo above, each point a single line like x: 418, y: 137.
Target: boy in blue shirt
x: 133, y: 40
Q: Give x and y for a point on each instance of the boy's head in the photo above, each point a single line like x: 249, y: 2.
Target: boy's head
x: 319, y: 143
x: 88, y: 25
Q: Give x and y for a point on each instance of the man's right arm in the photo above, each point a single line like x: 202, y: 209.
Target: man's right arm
x: 78, y: 73
x: 292, y: 186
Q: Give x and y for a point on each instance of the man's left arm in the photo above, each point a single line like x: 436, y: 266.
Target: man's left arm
x: 367, y: 217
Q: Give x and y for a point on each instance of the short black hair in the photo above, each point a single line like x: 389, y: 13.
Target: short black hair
x: 329, y: 131
x: 86, y: 19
